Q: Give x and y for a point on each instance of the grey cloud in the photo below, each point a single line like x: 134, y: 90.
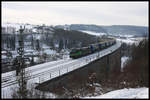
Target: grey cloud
x: 95, y: 13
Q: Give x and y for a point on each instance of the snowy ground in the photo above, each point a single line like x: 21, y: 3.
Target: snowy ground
x: 125, y: 93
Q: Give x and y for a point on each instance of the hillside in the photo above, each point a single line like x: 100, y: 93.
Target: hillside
x: 115, y: 30
x: 127, y: 30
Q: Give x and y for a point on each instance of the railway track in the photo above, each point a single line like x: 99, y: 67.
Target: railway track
x: 7, y: 78
x: 7, y: 81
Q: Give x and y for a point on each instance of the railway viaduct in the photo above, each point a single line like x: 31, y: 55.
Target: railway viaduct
x: 102, y: 67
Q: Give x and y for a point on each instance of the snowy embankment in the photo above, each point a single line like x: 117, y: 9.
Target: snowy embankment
x: 126, y: 93
x: 123, y: 61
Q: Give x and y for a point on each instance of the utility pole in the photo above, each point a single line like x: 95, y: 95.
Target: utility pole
x: 20, y: 68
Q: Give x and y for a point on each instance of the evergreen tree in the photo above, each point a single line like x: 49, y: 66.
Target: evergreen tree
x: 32, y: 42
x: 14, y: 42
x: 37, y: 45
x: 61, y: 45
x: 52, y: 44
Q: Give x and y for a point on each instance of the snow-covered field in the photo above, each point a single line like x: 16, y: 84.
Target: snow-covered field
x: 93, y: 33
x: 128, y: 39
x: 125, y: 93
x: 121, y: 35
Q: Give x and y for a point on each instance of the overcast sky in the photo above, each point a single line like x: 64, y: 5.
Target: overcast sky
x: 59, y: 13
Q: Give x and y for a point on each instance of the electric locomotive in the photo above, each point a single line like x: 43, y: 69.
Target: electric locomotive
x: 80, y: 52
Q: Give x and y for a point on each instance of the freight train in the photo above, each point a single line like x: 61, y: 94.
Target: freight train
x: 84, y: 51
